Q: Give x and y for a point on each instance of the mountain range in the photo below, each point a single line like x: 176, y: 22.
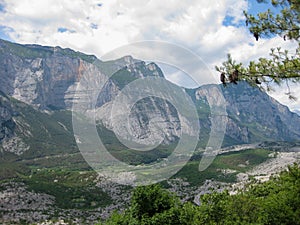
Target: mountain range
x: 45, y: 79
x: 43, y: 175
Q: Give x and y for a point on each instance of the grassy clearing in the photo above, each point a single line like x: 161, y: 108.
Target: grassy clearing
x: 124, y: 154
x: 71, y: 189
x: 242, y: 161
x: 238, y: 162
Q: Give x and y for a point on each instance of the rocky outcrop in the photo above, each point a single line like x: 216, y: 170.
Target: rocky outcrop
x: 261, y: 114
x: 47, y: 77
x: 7, y: 124
x: 39, y: 76
x: 254, y: 116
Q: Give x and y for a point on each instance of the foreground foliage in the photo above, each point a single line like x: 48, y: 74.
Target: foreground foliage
x: 282, y: 65
x: 276, y: 201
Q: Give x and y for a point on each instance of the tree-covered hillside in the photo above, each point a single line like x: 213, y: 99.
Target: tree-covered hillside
x: 276, y: 201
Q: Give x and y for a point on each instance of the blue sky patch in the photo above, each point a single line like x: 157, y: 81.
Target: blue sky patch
x: 2, y: 8
x: 253, y: 8
x: 64, y: 30
x: 94, y: 26
x: 229, y: 21
x: 4, y: 33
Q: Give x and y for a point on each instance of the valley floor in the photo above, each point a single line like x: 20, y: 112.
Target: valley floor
x: 26, y: 201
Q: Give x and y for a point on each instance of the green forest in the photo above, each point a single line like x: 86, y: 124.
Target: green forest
x: 276, y: 201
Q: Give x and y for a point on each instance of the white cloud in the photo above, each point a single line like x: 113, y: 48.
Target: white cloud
x: 234, y: 10
x: 280, y: 94
x: 101, y: 26
x: 118, y: 21
x: 252, y: 49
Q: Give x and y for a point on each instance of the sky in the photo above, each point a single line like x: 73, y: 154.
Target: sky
x: 208, y: 29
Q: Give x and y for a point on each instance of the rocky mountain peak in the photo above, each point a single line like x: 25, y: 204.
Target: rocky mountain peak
x: 253, y: 115
x: 46, y: 77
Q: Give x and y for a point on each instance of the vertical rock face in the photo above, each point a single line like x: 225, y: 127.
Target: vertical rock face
x: 47, y: 77
x: 254, y: 116
x: 39, y: 76
x: 255, y: 108
x: 7, y: 125
x: 154, y: 110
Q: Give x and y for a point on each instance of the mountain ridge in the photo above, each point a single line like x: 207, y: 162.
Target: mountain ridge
x: 46, y: 78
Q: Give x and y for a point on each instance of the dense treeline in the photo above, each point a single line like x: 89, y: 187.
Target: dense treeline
x: 276, y: 201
